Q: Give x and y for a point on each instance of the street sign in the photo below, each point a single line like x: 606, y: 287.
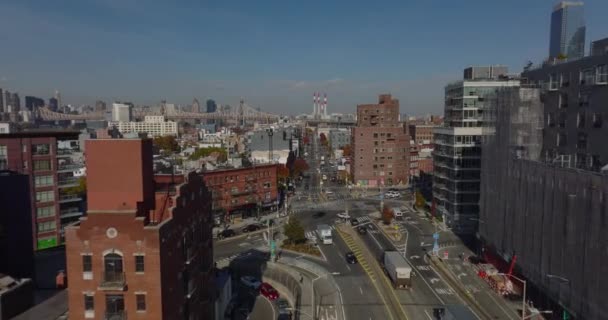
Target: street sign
x: 445, y: 254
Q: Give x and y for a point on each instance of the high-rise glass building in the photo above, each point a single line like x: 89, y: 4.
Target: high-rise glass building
x: 567, y: 30
x: 211, y: 106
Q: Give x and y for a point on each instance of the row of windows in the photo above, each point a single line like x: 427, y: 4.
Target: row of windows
x: 581, y: 120
x: 87, y: 263
x: 589, y: 76
x: 43, y: 181
x: 45, y: 196
x: 46, y: 226
x: 233, y: 178
x: 44, y: 212
x: 140, y: 298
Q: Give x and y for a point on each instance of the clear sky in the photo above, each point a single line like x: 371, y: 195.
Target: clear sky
x: 275, y: 54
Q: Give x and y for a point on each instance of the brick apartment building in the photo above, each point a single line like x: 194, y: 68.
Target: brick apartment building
x: 144, y: 250
x: 421, y: 133
x: 50, y: 159
x: 381, y: 144
x: 243, y: 190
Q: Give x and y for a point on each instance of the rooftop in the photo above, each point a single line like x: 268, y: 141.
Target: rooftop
x: 59, y: 134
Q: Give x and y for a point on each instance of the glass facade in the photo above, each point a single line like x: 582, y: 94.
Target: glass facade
x: 567, y: 31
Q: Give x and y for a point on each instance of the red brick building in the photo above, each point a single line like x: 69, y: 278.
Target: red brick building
x: 243, y: 190
x: 422, y: 133
x: 47, y: 157
x: 144, y: 250
x: 380, y: 144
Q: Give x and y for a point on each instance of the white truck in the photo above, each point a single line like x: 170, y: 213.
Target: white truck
x: 324, y: 234
x: 397, y: 269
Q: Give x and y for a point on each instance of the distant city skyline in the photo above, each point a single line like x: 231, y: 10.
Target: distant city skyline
x: 273, y: 54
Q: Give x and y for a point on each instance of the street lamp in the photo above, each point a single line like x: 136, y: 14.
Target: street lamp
x: 523, y: 300
x: 561, y: 281
x: 270, y: 132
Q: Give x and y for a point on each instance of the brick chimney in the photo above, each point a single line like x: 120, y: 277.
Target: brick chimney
x: 120, y: 175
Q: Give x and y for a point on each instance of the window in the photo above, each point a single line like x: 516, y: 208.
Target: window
x: 587, y: 77
x: 45, y: 196
x: 580, y: 120
x: 45, y: 212
x: 139, y: 263
x: 561, y: 139
x: 42, y: 165
x: 46, y: 226
x: 553, y: 81
x: 43, y: 181
x: 87, y: 263
x: 563, y: 100
x: 141, y: 302
x: 597, y: 120
x: 564, y: 79
x: 40, y: 149
x: 601, y: 74
x: 3, y: 158
x: 562, y: 120
x: 583, y: 99
x: 582, y: 141
x: 266, y: 185
x: 89, y: 302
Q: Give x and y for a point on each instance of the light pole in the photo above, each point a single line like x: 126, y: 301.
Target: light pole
x: 270, y: 132
x: 523, y: 300
x: 561, y: 280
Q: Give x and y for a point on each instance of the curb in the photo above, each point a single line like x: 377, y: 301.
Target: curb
x: 303, y: 254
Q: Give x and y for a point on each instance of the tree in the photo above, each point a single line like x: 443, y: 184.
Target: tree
x: 166, y: 143
x: 387, y: 215
x: 294, y: 231
x: 420, y: 202
x: 282, y: 172
x: 306, y: 140
x: 299, y: 166
x: 323, y: 138
x: 204, y: 152
x: 347, y: 151
x: 80, y: 189
x: 291, y: 158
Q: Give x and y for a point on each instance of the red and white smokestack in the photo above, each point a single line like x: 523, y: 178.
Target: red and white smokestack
x: 314, y: 103
x: 325, y: 104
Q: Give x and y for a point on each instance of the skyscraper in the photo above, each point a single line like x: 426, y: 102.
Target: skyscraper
x: 211, y: 106
x: 196, y: 106
x: 567, y: 30
x: 7, y: 100
x: 15, y: 102
x: 1, y: 102
x: 53, y: 104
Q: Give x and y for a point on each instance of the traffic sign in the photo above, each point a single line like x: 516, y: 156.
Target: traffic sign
x: 445, y: 254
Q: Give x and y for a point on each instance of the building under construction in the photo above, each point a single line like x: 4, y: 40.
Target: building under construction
x: 550, y: 218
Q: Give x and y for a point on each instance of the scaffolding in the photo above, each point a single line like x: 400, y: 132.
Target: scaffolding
x: 552, y: 217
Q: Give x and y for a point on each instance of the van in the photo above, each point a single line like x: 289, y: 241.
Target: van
x: 398, y: 213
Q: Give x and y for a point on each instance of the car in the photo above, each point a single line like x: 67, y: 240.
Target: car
x: 362, y: 230
x: 354, y: 222
x: 329, y: 192
x: 284, y: 307
x: 371, y: 227
x: 269, y: 291
x: 324, y: 177
x: 252, y: 227
x: 343, y: 215
x: 251, y: 282
x: 226, y: 233
x: 351, y: 258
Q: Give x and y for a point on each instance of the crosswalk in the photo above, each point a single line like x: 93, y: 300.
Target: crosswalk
x: 312, y: 234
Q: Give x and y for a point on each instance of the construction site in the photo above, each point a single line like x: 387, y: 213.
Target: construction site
x: 545, y: 221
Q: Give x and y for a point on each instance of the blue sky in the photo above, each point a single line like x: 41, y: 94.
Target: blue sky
x: 275, y: 54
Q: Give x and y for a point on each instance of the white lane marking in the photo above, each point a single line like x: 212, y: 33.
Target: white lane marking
x: 377, y: 242
x: 361, y: 290
x: 428, y: 315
